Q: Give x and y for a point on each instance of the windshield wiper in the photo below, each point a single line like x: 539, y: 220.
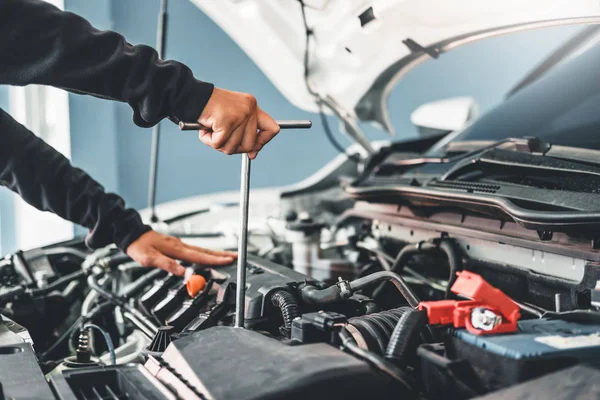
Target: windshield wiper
x: 525, y: 145
x: 538, y: 192
x: 522, y: 161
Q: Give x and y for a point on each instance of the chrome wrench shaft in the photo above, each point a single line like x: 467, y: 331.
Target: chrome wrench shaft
x: 240, y: 293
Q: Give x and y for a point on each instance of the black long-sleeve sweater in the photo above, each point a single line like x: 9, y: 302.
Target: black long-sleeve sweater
x: 43, y: 45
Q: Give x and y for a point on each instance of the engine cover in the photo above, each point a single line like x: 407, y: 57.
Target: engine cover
x: 233, y: 363
x: 262, y: 278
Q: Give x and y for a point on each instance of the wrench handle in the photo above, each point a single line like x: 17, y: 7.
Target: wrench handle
x: 285, y: 124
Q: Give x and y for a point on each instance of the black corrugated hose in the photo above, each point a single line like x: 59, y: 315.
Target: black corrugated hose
x: 406, y: 337
x: 289, y: 309
x: 373, y: 331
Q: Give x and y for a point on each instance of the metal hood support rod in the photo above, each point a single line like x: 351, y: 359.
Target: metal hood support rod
x: 161, y: 39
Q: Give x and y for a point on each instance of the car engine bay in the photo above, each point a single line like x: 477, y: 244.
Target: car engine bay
x: 346, y: 297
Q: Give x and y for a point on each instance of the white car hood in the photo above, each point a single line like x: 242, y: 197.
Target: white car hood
x: 356, y: 66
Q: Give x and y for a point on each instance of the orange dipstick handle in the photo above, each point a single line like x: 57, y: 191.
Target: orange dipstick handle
x: 195, y: 284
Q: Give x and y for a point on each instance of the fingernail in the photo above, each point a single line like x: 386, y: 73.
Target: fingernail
x: 180, y: 271
x: 188, y: 272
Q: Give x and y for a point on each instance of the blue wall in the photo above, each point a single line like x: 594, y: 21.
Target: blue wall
x: 93, y: 131
x: 485, y: 70
x: 7, y: 217
x: 93, y: 128
x: 187, y: 167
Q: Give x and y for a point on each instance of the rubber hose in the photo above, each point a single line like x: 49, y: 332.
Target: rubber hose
x: 400, y: 284
x: 117, y: 259
x: 289, y: 309
x: 405, y: 254
x: 18, y: 290
x: 374, y: 330
x: 138, y: 285
x: 58, y: 283
x: 405, y: 339
x: 408, y: 251
x: 312, y: 295
x: 454, y: 262
x: 332, y: 294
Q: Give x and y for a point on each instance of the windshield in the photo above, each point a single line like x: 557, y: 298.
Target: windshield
x: 562, y: 107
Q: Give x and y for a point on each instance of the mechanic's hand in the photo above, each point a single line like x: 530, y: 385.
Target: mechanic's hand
x: 236, y: 123
x: 154, y: 249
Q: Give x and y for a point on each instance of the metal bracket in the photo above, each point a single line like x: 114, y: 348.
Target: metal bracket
x: 415, y: 47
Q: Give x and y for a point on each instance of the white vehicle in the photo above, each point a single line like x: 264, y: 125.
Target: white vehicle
x: 460, y: 264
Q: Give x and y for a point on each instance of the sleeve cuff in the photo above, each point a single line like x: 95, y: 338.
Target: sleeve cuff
x: 132, y: 234
x: 193, y: 102
x: 122, y: 230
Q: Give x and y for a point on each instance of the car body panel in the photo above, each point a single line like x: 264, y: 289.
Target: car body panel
x: 357, y: 51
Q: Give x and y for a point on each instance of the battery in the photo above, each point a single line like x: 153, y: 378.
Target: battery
x: 539, y: 347
x: 542, y: 338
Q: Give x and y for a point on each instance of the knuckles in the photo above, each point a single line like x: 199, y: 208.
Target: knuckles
x: 173, y: 241
x: 251, y: 101
x: 146, y: 260
x: 243, y: 106
x: 219, y: 142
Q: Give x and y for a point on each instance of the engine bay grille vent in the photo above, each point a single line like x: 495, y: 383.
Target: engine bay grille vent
x: 110, y: 383
x: 100, y: 392
x: 468, y: 186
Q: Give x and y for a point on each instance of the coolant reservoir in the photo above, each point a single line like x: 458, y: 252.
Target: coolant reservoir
x: 304, y: 235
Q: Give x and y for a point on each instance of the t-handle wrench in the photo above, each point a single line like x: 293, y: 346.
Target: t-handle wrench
x: 240, y: 293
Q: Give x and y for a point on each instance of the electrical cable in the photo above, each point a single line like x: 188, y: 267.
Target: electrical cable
x: 385, y: 260
x: 61, y: 338
x: 136, y: 317
x: 289, y: 308
x: 96, y: 310
x: 318, y: 98
x: 444, y: 245
x: 107, y: 339
x: 378, y: 362
x: 334, y: 142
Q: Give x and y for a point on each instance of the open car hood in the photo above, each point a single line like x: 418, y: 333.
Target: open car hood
x: 361, y: 48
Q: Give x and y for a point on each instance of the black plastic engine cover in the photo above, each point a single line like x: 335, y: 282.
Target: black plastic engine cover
x: 262, y: 278
x: 233, y: 363
x: 20, y: 375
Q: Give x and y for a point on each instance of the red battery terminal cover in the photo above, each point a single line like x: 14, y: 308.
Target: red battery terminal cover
x: 458, y: 313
